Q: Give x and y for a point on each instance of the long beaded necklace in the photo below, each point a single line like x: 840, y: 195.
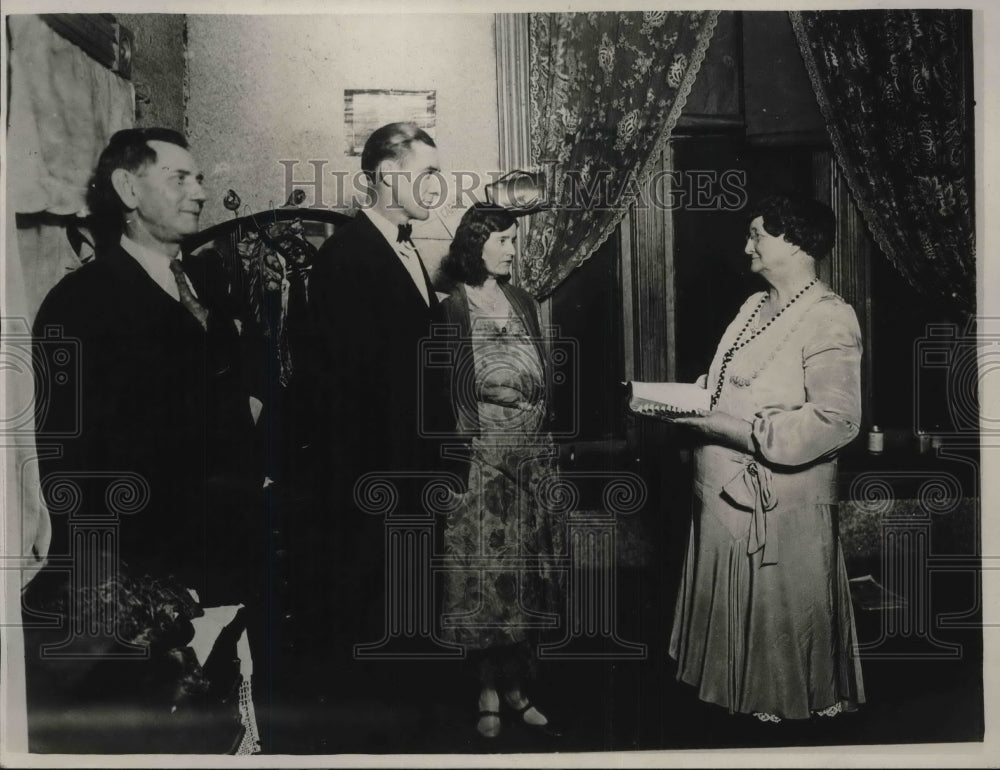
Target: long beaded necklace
x: 740, y: 343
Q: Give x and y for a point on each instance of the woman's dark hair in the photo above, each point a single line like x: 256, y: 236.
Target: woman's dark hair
x: 807, y: 223
x: 128, y: 149
x: 464, y: 261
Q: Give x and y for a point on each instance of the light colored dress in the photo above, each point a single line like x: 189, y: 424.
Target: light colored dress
x: 763, y: 621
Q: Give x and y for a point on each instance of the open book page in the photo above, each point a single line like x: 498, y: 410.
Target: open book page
x: 668, y: 400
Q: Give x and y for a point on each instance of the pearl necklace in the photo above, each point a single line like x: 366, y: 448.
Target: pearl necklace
x: 741, y: 343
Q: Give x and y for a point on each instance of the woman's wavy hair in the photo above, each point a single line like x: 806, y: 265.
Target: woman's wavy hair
x: 807, y: 223
x: 464, y: 261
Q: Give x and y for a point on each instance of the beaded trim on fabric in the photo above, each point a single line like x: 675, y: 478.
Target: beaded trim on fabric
x: 742, y: 339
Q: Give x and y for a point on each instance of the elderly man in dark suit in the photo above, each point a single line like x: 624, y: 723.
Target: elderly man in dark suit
x: 164, y: 412
x: 161, y: 393
x: 372, y: 304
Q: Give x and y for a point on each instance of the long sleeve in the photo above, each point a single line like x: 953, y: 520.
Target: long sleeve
x: 830, y: 417
x: 341, y: 357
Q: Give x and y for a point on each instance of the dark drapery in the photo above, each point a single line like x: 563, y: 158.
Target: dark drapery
x: 606, y: 90
x: 892, y: 86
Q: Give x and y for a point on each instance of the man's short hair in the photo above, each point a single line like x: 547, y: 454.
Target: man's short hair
x: 391, y: 141
x: 128, y: 149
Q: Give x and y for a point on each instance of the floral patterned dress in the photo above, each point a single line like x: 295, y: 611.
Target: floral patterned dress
x: 501, y: 540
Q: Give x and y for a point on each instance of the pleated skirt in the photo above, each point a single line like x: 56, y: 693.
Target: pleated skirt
x: 776, y: 638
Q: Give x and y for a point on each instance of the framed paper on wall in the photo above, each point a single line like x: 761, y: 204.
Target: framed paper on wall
x: 367, y: 110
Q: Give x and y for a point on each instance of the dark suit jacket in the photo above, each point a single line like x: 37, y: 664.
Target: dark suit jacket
x: 159, y: 397
x: 374, y: 398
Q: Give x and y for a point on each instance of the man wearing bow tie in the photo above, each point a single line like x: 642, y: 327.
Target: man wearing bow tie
x: 372, y: 303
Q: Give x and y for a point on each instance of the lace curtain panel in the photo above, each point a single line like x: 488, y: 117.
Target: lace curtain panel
x: 893, y: 92
x: 63, y: 108
x: 606, y: 90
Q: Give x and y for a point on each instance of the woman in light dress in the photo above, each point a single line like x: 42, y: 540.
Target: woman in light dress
x: 763, y: 623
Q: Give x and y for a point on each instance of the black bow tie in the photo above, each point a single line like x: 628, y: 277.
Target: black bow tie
x: 404, y: 233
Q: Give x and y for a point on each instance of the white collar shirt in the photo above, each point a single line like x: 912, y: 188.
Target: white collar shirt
x: 406, y: 251
x: 156, y: 265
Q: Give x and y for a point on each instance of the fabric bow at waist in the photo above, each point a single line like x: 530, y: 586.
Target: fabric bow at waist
x: 753, y: 489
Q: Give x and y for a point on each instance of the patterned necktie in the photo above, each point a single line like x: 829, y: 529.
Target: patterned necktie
x: 188, y: 300
x: 405, y: 231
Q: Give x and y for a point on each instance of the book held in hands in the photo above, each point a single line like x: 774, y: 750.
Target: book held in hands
x: 668, y: 400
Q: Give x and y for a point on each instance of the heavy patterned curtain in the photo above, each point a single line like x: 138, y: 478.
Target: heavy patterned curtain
x: 892, y: 88
x: 606, y: 90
